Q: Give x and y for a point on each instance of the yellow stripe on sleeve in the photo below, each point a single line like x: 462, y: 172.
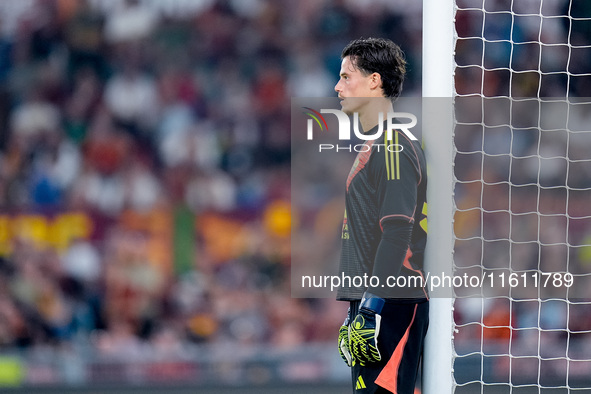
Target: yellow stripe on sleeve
x: 389, y: 148
x: 397, y: 158
x: 386, y: 155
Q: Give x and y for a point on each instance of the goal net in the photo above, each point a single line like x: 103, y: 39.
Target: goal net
x: 522, y: 196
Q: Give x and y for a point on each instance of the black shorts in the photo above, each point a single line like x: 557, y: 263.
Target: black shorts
x: 400, y: 342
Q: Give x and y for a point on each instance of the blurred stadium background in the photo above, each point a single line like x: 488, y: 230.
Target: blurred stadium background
x: 145, y: 190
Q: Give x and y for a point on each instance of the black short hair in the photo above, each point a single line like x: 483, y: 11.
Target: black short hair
x: 382, y: 56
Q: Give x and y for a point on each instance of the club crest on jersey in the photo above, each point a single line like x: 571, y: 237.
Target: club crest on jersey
x: 345, y: 230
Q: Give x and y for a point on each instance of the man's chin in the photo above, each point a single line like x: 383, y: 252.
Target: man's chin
x: 346, y: 108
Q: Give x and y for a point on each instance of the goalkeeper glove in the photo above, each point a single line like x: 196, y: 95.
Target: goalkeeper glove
x: 344, y: 349
x: 365, y: 329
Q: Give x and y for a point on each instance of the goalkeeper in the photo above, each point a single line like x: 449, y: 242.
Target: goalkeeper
x: 384, y: 229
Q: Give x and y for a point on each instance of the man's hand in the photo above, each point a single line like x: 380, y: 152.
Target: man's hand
x: 364, y: 330
x: 344, y: 349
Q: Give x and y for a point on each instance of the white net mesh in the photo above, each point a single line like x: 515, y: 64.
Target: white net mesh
x: 522, y: 195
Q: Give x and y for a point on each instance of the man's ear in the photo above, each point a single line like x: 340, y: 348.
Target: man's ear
x: 375, y: 81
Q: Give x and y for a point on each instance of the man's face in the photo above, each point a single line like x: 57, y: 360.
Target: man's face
x: 353, y: 87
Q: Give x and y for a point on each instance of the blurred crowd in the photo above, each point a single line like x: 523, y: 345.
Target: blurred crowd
x: 117, y: 108
x: 136, y: 109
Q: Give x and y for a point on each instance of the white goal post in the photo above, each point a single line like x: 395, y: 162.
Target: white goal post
x: 437, y: 76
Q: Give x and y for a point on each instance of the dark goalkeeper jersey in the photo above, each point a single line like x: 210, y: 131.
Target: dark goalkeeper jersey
x: 384, y: 185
